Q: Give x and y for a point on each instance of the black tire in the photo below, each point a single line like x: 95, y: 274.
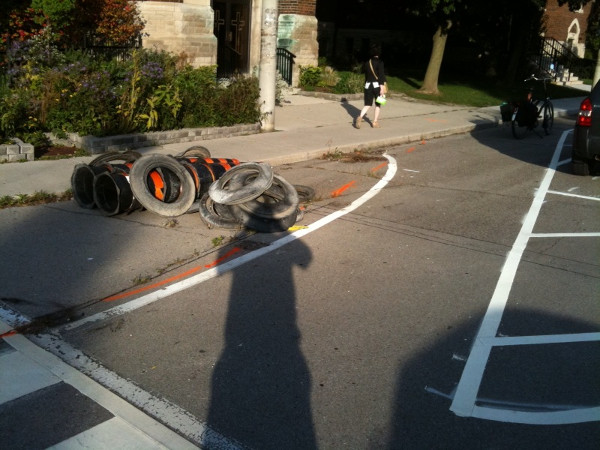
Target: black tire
x: 217, y: 215
x: 180, y: 192
x: 305, y: 193
x: 263, y: 225
x: 82, y: 184
x: 581, y: 168
x: 548, y: 118
x: 126, y: 156
x: 518, y: 131
x: 220, y: 190
x: 112, y: 194
x: 277, y: 202
x: 197, y: 151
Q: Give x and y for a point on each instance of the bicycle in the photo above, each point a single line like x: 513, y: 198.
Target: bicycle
x: 525, y: 115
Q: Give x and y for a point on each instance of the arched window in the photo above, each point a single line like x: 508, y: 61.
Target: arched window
x: 573, y: 35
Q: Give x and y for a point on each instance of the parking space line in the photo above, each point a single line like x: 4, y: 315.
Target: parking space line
x: 557, y: 235
x: 584, y: 197
x: 465, y: 397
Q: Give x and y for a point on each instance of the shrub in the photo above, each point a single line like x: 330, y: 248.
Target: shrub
x: 309, y: 77
x: 349, y: 83
x: 90, y: 96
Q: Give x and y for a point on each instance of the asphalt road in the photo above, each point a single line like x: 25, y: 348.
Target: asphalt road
x: 454, y: 306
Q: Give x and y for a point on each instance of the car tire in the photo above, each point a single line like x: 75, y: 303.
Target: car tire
x: 216, y: 214
x: 178, y: 202
x: 581, y: 168
x: 260, y: 178
x: 277, y: 202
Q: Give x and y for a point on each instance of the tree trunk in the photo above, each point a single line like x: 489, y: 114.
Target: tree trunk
x: 432, y: 75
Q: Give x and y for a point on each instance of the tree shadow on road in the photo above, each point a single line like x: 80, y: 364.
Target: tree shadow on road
x: 261, y: 384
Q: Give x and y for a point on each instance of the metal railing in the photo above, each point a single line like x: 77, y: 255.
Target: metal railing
x: 555, y: 59
x: 285, y: 64
x: 99, y: 47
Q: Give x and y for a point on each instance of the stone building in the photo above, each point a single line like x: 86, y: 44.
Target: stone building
x: 228, y: 32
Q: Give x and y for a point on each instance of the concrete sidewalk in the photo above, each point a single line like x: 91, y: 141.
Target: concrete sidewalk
x: 306, y: 128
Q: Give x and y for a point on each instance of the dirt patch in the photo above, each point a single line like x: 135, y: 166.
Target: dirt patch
x: 352, y: 157
x: 57, y: 152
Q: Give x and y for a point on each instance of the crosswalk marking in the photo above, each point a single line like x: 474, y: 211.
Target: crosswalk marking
x: 114, y: 433
x: 20, y: 376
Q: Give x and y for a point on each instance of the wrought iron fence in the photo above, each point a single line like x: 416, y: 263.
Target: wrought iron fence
x: 285, y: 64
x: 96, y: 46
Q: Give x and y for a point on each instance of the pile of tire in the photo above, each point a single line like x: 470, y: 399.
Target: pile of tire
x: 227, y: 193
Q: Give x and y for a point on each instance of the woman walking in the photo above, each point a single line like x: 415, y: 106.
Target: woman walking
x: 375, y: 85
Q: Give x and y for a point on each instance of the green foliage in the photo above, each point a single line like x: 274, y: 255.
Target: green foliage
x: 58, y: 12
x: 91, y: 96
x: 309, y: 77
x: 349, y: 83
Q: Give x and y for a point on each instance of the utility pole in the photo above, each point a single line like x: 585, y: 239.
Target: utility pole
x: 267, y: 77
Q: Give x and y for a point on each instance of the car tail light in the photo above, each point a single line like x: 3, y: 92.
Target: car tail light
x: 584, y: 119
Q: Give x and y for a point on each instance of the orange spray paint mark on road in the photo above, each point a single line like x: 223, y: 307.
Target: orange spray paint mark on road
x: 410, y: 150
x: 231, y: 252
x: 8, y: 334
x: 339, y: 191
x: 380, y: 166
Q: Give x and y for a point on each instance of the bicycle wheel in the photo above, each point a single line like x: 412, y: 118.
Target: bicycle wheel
x: 548, y: 122
x: 518, y: 131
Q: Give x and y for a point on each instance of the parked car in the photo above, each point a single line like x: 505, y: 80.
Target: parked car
x: 586, y: 136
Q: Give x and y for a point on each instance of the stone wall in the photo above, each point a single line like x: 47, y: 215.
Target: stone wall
x: 298, y: 34
x: 182, y: 29
x: 97, y: 145
x: 16, y: 151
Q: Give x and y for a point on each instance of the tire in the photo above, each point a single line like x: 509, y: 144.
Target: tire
x: 263, y: 225
x: 217, y: 215
x: 180, y: 191
x: 305, y: 193
x: 277, y: 202
x: 220, y: 190
x: 197, y: 151
x: 126, y: 156
x: 548, y: 118
x: 581, y: 168
x: 82, y: 184
x: 112, y: 194
x: 517, y: 131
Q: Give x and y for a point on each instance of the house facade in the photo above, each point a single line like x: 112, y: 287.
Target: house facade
x: 227, y: 33
x: 567, y: 27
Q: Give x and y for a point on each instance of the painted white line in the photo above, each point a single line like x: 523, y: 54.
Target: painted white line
x: 20, y: 376
x: 90, y: 388
x: 541, y: 339
x: 465, y: 398
x: 114, y: 433
x: 567, y: 235
x: 585, y: 197
x: 569, y: 416
x: 230, y: 265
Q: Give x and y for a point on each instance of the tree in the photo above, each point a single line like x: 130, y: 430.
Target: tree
x: 442, y: 14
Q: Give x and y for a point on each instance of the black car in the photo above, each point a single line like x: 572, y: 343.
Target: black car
x: 586, y: 136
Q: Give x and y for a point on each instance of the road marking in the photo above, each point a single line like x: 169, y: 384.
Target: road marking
x: 213, y: 272
x: 75, y: 369
x: 173, y: 278
x: 465, y: 397
x: 339, y: 191
x: 585, y: 197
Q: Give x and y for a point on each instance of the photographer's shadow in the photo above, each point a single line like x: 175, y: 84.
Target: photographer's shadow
x: 261, y: 385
